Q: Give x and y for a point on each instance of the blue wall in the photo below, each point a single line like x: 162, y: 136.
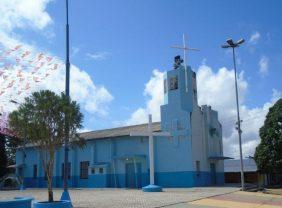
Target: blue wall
x: 173, y: 155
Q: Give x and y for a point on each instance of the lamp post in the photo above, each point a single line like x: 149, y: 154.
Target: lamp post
x: 65, y: 195
x: 231, y: 44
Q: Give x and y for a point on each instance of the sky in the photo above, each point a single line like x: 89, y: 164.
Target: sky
x: 119, y: 51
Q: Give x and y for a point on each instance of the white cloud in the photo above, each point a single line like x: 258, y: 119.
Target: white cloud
x: 263, y: 65
x: 215, y: 89
x: 154, y: 95
x: 31, y: 14
x: 21, y: 14
x: 99, y: 56
x: 254, y: 38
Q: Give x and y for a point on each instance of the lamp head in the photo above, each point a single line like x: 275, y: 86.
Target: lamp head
x: 240, y: 41
x: 230, y: 42
x: 225, y: 46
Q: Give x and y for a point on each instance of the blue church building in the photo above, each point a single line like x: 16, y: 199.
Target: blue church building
x: 191, y: 156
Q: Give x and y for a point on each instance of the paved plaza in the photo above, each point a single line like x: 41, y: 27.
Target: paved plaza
x: 235, y: 200
x: 208, y: 197
x: 123, y: 198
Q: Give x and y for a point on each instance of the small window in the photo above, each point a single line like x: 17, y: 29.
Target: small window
x: 84, y: 165
x: 34, y: 171
x: 181, y: 124
x: 101, y: 170
x: 173, y: 83
x: 68, y: 170
x: 165, y: 86
x: 195, y: 94
x: 198, y: 167
x: 93, y: 171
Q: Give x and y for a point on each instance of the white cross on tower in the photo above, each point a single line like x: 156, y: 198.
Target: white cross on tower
x: 150, y: 134
x: 185, y: 48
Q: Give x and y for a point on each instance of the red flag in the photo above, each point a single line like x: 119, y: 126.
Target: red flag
x: 8, y: 52
x: 49, y: 58
x: 35, y: 70
x: 36, y: 79
x: 41, y: 64
x: 11, y: 84
x: 19, y: 73
x: 40, y: 56
x: 17, y: 47
x: 26, y: 53
x: 27, y: 86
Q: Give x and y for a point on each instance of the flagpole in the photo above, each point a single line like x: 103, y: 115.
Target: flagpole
x: 65, y: 195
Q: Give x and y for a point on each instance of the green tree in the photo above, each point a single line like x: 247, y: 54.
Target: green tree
x: 268, y: 155
x: 3, y: 156
x: 11, y: 147
x: 42, y: 120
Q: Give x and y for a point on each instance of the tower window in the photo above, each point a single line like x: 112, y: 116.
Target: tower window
x: 173, y: 83
x: 195, y: 94
x: 165, y: 86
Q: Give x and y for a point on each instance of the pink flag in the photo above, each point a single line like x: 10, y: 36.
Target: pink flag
x: 49, y: 58
x: 36, y: 79
x: 17, y: 47
x: 26, y: 53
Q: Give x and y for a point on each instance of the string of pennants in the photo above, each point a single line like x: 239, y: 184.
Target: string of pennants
x: 21, y: 70
x: 29, y: 68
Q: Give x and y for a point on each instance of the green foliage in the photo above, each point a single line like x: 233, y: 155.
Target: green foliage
x: 45, y: 120
x: 11, y: 147
x: 268, y: 155
x: 3, y: 156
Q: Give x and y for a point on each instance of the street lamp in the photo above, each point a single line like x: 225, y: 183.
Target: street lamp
x: 231, y: 44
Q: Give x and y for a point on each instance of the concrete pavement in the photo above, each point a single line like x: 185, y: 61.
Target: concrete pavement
x: 236, y: 199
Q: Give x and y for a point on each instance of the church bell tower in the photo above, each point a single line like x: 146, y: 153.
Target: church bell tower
x: 180, y: 97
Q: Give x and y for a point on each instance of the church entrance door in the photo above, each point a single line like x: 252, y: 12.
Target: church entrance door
x: 213, y: 174
x: 133, y: 175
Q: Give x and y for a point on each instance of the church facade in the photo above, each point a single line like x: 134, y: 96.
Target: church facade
x: 191, y: 156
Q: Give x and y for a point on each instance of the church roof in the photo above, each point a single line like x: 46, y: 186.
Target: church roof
x: 120, y: 131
